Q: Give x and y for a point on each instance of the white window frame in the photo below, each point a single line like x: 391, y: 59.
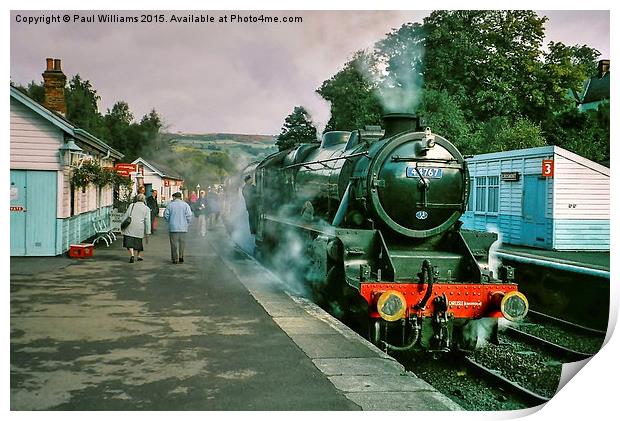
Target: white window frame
x: 496, y: 188
x: 476, y: 188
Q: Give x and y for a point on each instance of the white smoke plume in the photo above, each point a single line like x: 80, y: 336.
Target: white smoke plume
x: 479, y: 331
x: 494, y: 260
x: 287, y: 260
x: 397, y: 83
x: 237, y: 221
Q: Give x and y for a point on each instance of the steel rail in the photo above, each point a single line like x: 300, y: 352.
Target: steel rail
x: 322, y: 161
x: 557, y: 350
x: 532, y: 314
x: 522, y: 393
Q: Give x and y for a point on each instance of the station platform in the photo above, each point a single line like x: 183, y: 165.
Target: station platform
x: 569, y: 285
x: 595, y: 261
x: 218, y: 332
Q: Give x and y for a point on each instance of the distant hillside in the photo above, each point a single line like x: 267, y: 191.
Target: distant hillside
x: 242, y: 148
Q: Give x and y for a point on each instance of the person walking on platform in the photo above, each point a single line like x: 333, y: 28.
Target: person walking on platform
x: 178, y: 214
x: 213, y: 208
x: 201, y: 210
x: 138, y: 228
x: 151, y: 202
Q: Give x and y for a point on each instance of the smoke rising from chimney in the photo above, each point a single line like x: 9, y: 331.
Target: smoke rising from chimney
x: 398, y: 84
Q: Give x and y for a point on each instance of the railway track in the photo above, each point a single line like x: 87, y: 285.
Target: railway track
x: 542, y: 318
x: 523, y: 370
x: 542, y: 342
x: 559, y: 351
x: 493, y: 376
x: 564, y: 340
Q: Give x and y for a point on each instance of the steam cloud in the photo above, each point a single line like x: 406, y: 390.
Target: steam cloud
x: 401, y: 89
x: 479, y: 332
x: 288, y: 259
x: 494, y: 261
x: 399, y: 82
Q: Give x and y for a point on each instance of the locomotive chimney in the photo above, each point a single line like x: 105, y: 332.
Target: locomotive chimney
x: 396, y: 123
x: 54, y: 81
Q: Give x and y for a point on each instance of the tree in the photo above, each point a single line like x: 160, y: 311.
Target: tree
x: 82, y: 109
x: 488, y: 60
x: 131, y: 138
x: 121, y: 136
x: 564, y: 71
x: 200, y: 167
x: 503, y: 134
x: 152, y: 123
x: 489, y: 85
x: 443, y: 114
x: 34, y: 90
x: 117, y: 128
x: 297, y: 129
x: 353, y: 94
x: 584, y: 133
x: 120, y: 114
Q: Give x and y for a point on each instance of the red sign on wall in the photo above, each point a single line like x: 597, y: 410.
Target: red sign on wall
x: 127, y: 167
x: 547, y: 168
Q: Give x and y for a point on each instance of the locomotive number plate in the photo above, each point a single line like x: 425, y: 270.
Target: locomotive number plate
x: 427, y: 172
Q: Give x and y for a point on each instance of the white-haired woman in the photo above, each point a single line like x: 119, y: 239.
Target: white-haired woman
x: 139, y: 227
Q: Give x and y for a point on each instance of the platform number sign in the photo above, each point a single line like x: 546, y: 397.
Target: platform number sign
x: 547, y: 168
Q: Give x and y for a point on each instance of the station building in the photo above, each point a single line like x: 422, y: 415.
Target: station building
x: 47, y: 213
x: 547, y: 198
x: 596, y: 89
x: 159, y: 177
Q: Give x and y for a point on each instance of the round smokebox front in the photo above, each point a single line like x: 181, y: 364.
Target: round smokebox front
x: 417, y: 189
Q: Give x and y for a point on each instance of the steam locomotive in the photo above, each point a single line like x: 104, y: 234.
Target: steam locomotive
x: 376, y: 214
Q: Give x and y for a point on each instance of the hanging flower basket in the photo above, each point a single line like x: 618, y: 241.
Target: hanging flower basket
x: 90, y: 172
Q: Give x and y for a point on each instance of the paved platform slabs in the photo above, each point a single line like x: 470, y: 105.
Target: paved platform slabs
x: 366, y: 375
x: 215, y: 333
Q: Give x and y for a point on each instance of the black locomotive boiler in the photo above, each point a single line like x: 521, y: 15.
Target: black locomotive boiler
x: 377, y: 215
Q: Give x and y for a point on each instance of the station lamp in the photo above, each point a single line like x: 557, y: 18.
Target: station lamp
x: 69, y: 152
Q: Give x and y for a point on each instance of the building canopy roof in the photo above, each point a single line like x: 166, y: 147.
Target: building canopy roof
x: 597, y: 89
x: 540, y: 152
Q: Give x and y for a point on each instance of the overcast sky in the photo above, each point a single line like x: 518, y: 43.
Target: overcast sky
x: 229, y: 77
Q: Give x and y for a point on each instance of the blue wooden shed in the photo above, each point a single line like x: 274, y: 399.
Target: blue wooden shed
x: 546, y: 197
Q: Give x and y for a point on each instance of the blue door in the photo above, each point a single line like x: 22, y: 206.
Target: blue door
x: 33, y: 213
x: 534, y: 227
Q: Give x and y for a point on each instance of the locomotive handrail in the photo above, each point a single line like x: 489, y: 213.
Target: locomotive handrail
x: 397, y: 158
x: 322, y: 161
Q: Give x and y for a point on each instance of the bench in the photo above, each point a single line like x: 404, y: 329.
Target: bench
x: 103, y: 232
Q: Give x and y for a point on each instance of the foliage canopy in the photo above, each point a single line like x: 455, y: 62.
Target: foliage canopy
x: 481, y: 78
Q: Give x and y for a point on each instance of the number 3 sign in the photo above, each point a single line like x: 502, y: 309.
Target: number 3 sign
x: 547, y: 168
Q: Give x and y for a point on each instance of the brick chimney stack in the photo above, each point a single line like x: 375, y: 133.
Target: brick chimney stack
x: 54, y: 81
